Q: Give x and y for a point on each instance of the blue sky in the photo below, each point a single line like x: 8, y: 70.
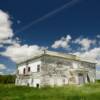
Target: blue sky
x: 74, y: 29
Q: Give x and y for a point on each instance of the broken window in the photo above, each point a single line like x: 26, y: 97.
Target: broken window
x: 29, y: 69
x: 38, y: 68
x: 88, y: 78
x: 37, y: 85
x: 81, y: 78
x: 24, y: 71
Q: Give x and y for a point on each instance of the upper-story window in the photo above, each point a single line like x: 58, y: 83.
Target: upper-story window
x: 29, y: 69
x: 24, y: 71
x: 38, y: 68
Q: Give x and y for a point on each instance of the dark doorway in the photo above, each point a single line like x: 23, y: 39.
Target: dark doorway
x: 27, y: 84
x: 81, y: 78
x: 88, y: 79
x: 24, y: 71
x: 37, y: 85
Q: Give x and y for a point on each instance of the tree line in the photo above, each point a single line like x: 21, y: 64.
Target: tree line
x: 6, y: 79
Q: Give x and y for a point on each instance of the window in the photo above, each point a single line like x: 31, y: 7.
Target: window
x: 38, y: 68
x: 88, y: 78
x: 28, y: 69
x: 24, y: 71
x: 37, y: 85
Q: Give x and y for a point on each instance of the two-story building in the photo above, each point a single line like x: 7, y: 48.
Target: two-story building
x: 55, y: 68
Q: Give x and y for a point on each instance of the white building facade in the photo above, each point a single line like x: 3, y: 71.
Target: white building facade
x: 55, y: 69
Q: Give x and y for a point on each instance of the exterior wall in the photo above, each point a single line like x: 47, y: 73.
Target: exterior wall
x: 55, y: 71
x: 89, y: 71
x: 29, y: 78
x: 33, y: 65
x: 21, y: 68
x: 35, y: 82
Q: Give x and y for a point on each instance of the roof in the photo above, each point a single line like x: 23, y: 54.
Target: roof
x: 61, y: 55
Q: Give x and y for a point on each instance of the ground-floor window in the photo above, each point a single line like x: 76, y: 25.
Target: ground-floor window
x: 88, y: 78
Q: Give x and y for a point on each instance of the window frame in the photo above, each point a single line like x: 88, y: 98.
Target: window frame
x: 38, y: 68
x: 29, y: 69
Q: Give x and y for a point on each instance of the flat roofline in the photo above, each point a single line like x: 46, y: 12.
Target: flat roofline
x: 61, y: 55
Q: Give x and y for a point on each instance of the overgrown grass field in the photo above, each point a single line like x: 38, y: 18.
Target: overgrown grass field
x: 86, y: 92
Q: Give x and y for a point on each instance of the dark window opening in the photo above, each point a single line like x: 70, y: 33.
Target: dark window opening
x: 37, y: 85
x: 88, y: 79
x: 38, y: 68
x: 27, y: 84
x: 80, y: 74
x: 28, y: 69
x: 24, y: 71
x: 81, y: 78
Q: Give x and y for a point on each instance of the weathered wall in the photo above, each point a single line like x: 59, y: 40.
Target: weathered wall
x: 55, y: 70
x: 32, y: 79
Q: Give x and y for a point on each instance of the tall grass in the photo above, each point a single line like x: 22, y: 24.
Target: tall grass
x: 86, y: 92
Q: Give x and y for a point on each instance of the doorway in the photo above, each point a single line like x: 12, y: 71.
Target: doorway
x: 81, y: 78
x: 88, y: 78
x: 37, y: 85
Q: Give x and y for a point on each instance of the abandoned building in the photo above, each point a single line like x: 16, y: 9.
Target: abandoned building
x: 55, y: 69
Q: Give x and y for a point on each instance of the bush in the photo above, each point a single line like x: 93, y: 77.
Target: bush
x: 5, y: 79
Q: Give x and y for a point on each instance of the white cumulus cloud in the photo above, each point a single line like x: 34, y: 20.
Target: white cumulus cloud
x: 85, y: 43
x: 62, y: 43
x: 20, y: 53
x: 2, y: 66
x: 93, y: 54
x: 98, y: 36
x: 6, y: 31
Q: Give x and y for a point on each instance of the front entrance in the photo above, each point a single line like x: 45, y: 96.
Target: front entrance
x: 88, y: 78
x: 37, y: 85
x: 81, y: 78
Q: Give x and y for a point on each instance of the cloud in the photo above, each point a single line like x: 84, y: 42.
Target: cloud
x: 93, y: 54
x: 20, y: 53
x: 2, y: 66
x: 85, y: 43
x: 6, y: 31
x: 62, y: 43
x: 98, y: 36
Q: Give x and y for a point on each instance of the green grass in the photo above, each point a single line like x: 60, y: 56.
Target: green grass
x: 86, y: 92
